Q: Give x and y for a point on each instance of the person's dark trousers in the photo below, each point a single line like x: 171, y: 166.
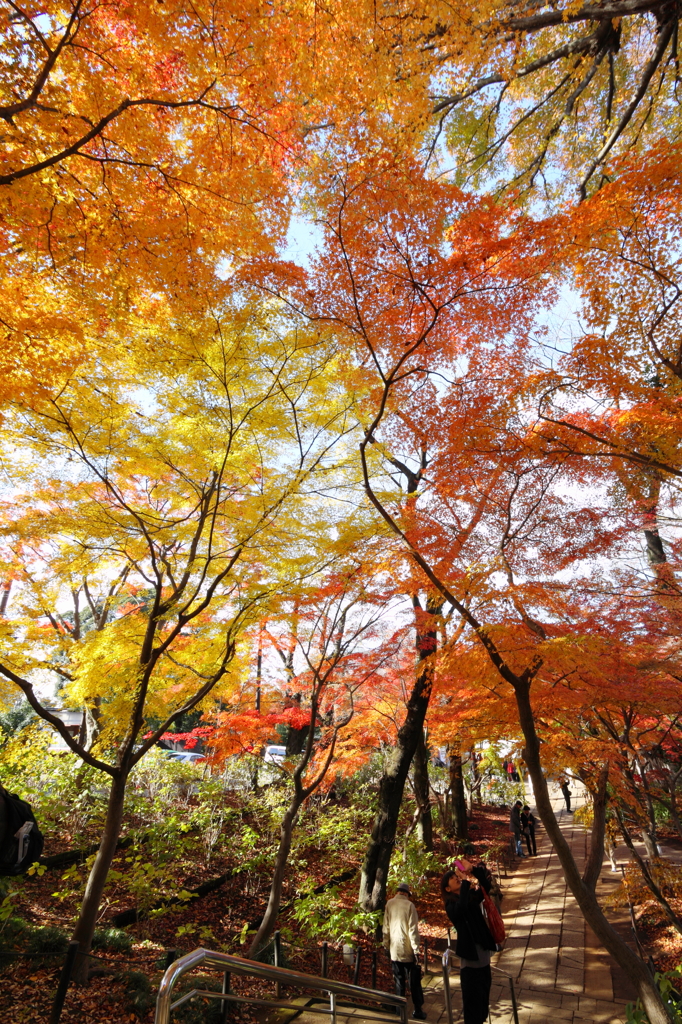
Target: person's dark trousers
x: 568, y: 802
x: 409, y: 970
x: 475, y: 984
x: 530, y: 843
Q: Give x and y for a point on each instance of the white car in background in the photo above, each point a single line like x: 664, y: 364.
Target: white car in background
x: 186, y: 756
x: 275, y: 753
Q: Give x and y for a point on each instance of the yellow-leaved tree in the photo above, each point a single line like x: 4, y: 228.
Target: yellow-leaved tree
x: 149, y: 523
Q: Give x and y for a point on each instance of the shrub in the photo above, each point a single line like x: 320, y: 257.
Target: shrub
x: 139, y: 996
x: 12, y: 932
x: 47, y: 945
x: 112, y: 939
x: 200, y: 1010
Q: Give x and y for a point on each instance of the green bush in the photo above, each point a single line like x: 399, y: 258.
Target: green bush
x: 11, y: 934
x: 139, y: 996
x: 112, y: 939
x: 199, y: 1010
x: 47, y: 945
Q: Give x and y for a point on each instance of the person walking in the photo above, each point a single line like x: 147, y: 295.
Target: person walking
x: 528, y: 828
x: 516, y: 828
x: 462, y: 891
x: 401, y: 939
x: 567, y: 794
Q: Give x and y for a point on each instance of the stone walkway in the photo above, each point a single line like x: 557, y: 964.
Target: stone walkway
x: 558, y: 969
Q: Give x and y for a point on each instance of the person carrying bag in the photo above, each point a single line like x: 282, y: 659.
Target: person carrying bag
x: 464, y: 892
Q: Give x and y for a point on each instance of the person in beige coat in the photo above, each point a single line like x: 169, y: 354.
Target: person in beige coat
x: 401, y: 939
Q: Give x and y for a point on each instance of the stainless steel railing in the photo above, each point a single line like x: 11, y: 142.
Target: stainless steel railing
x: 229, y: 965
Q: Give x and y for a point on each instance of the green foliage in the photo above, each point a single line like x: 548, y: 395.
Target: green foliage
x: 12, y: 721
x: 670, y: 986
x: 68, y: 798
x: 139, y: 995
x: 12, y: 932
x: 496, y: 787
x: 113, y: 939
x: 46, y: 945
x: 412, y: 864
x: 324, y: 916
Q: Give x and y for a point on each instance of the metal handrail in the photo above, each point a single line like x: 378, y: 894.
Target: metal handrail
x: 280, y: 975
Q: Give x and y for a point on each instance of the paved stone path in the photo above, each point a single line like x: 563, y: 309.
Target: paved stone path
x: 558, y: 969
x: 557, y: 966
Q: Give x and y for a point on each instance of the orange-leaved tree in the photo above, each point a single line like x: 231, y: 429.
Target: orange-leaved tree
x: 415, y: 276
x: 437, y: 300
x: 341, y: 647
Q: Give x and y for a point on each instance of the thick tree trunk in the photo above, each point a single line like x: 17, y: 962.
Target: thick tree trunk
x: 460, y: 824
x: 267, y: 925
x: 422, y: 794
x: 392, y: 785
x: 296, y: 740
x: 586, y: 899
x: 87, y: 919
x: 595, y: 857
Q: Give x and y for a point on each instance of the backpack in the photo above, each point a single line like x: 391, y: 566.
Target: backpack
x: 493, y: 920
x: 22, y: 843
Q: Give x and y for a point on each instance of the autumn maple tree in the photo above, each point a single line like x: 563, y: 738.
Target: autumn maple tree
x: 169, y: 512
x: 437, y: 302
x: 189, y: 416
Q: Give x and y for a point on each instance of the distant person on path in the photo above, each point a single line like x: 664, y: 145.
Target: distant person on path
x: 528, y: 826
x: 462, y: 891
x: 516, y: 828
x: 567, y: 794
x: 401, y: 939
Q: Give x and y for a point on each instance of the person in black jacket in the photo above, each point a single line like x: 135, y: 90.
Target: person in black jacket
x: 566, y: 790
x: 528, y: 826
x: 462, y: 891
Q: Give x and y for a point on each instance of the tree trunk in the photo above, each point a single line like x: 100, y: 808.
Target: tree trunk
x: 648, y: 877
x: 375, y: 867
x: 460, y: 823
x: 267, y: 925
x: 422, y: 794
x: 587, y: 901
x: 650, y: 844
x: 296, y: 740
x: 87, y: 919
x: 476, y: 778
x: 595, y: 857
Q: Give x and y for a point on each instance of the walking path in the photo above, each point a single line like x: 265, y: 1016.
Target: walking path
x: 558, y: 968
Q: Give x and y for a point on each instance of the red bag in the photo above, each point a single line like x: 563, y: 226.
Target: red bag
x: 494, y: 919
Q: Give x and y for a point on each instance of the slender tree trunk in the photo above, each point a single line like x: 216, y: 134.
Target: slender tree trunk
x: 648, y: 877
x: 476, y: 776
x: 422, y: 794
x: 460, y: 823
x: 674, y: 814
x: 375, y: 867
x: 650, y: 844
x: 586, y: 899
x: 267, y: 925
x: 87, y: 919
x: 595, y: 857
